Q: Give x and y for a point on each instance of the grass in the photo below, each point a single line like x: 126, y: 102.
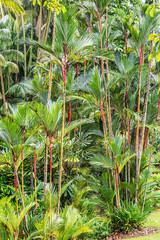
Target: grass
x: 152, y: 221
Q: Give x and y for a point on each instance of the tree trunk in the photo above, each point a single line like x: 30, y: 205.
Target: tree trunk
x: 22, y: 174
x: 25, y: 57
x: 129, y: 173
x: 3, y: 92
x: 50, y: 188
x: 145, y: 110
x: 90, y: 28
x: 118, y: 197
x: 40, y: 21
x: 32, y: 26
x: 31, y: 176
x: 105, y: 138
x: 2, y: 10
x: 62, y: 135
x: 137, y: 131
x: 107, y: 92
x: 45, y: 170
x: 40, y: 25
x: 45, y: 35
x: 51, y: 67
x: 150, y: 158
x: 32, y: 179
x: 17, y: 50
x: 19, y: 188
x: 35, y: 178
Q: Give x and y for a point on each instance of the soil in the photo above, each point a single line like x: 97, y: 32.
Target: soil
x: 135, y: 234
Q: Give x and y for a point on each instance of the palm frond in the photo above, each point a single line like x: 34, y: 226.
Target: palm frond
x: 14, y: 6
x: 13, y: 55
x: 2, y: 61
x: 12, y: 67
x: 102, y: 161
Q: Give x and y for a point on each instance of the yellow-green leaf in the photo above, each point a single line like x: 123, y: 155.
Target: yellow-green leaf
x: 152, y: 12
x: 152, y: 37
x: 156, y: 40
x: 158, y: 57
x: 150, y: 57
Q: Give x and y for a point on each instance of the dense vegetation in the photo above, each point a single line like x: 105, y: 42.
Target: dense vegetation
x: 79, y: 124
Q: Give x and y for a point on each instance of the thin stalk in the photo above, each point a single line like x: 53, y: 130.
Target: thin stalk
x: 70, y: 112
x: 22, y: 174
x: 90, y: 28
x: 129, y: 139
x: 40, y: 21
x: 32, y: 179
x: 158, y: 110
x: 150, y: 158
x: 25, y: 53
x: 2, y: 11
x: 3, y: 92
x: 45, y: 35
x: 51, y: 67
x: 32, y: 26
x: 15, y: 183
x: 105, y: 131
x: 40, y: 25
x: 45, y: 170
x: 17, y: 49
x: 76, y: 116
x: 126, y: 165
x: 35, y: 177
x: 145, y: 137
x: 31, y: 176
x: 145, y: 109
x: 118, y: 197
x: 105, y: 138
x: 62, y: 133
x: 50, y: 187
x: 126, y: 36
x: 138, y: 113
x: 84, y: 68
x: 107, y: 94
x: 18, y: 184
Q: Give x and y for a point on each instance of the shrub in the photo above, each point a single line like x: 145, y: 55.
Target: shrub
x: 128, y: 217
x: 100, y: 229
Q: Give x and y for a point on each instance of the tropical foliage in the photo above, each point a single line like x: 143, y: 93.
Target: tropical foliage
x: 79, y: 117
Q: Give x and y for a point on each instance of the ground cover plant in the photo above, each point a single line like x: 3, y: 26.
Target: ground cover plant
x: 79, y: 118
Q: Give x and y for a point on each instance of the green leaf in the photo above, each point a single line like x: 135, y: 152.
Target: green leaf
x: 152, y: 12
x: 2, y: 61
x: 102, y: 161
x: 124, y: 161
x: 158, y: 57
